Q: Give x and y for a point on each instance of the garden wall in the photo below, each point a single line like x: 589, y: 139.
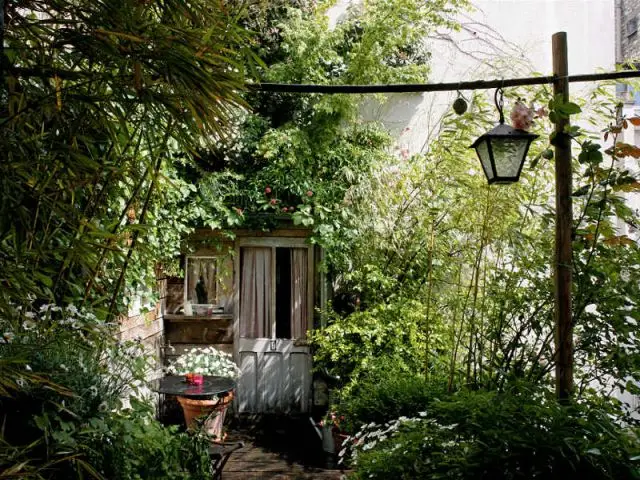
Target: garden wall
x: 148, y: 328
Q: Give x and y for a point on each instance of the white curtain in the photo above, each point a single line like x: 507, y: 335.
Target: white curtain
x: 299, y: 280
x: 255, y: 293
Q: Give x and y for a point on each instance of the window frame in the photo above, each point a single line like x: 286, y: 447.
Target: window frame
x: 185, y: 299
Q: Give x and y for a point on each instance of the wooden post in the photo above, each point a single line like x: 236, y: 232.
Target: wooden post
x: 564, y: 224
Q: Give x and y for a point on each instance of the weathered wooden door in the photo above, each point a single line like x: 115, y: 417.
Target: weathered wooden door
x: 274, y: 279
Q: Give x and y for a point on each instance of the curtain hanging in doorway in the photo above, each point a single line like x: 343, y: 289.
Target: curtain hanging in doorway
x: 299, y: 307
x: 255, y: 293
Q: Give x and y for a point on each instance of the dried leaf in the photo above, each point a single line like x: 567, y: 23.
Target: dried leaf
x: 624, y: 150
x: 635, y: 121
x: 619, y: 240
x: 627, y: 187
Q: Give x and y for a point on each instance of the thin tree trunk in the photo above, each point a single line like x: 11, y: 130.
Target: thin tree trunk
x: 134, y: 239
x: 429, y: 289
x: 475, y: 280
x: 455, y: 338
x: 478, y: 373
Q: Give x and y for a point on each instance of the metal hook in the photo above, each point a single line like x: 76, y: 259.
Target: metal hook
x: 499, y: 102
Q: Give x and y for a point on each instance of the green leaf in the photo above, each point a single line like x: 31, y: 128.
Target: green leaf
x: 45, y: 279
x: 569, y: 108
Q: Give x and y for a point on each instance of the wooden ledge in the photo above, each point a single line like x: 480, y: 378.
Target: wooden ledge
x: 190, y: 318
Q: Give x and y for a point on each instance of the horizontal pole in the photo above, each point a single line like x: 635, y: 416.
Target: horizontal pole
x: 436, y: 87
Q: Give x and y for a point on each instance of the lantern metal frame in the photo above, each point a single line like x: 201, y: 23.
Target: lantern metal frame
x: 498, y: 133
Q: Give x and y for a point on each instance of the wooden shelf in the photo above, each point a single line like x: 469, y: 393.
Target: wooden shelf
x: 190, y: 318
x: 201, y: 329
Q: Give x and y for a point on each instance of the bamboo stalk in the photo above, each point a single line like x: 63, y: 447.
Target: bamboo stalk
x: 134, y: 240
x: 429, y: 288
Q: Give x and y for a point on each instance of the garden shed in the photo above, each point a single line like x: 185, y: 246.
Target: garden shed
x: 252, y: 294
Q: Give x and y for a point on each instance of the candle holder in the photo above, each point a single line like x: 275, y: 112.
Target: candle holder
x: 194, y: 378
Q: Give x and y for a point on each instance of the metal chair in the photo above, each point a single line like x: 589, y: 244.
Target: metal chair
x: 219, y: 452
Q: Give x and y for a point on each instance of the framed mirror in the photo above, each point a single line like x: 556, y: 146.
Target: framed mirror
x: 204, y: 290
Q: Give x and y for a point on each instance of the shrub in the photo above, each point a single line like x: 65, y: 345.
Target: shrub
x: 63, y: 379
x: 386, y: 393
x: 132, y: 445
x: 519, y: 434
x: 353, y: 345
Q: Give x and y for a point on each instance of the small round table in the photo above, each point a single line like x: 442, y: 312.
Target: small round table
x: 211, y: 386
x: 215, y: 394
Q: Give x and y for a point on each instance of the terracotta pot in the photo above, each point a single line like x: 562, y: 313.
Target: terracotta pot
x: 215, y: 411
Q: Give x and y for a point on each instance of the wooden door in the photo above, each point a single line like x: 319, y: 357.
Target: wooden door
x: 275, y: 300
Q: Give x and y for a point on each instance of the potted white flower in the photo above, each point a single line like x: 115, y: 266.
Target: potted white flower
x: 205, y: 361
x: 194, y: 365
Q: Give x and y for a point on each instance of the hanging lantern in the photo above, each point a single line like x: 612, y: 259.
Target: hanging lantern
x: 502, y: 151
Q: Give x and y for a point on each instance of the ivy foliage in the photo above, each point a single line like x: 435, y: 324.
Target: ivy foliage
x: 300, y: 156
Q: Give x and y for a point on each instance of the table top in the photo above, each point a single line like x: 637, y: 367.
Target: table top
x: 177, y: 385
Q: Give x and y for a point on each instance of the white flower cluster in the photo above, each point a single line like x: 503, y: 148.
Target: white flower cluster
x: 205, y: 361
x: 372, y: 434
x: 36, y: 322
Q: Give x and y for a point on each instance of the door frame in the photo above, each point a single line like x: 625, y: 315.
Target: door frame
x: 273, y: 243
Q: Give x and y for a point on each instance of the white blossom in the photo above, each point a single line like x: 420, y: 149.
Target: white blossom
x: 205, y: 361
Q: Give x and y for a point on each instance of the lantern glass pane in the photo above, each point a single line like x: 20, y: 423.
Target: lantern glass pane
x: 485, y: 158
x: 508, y: 154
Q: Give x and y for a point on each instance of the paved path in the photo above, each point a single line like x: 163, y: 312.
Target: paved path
x: 259, y: 460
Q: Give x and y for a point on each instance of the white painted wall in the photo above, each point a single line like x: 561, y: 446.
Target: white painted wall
x: 499, y: 38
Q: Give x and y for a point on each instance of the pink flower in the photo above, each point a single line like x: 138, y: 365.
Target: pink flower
x: 267, y: 190
x: 309, y: 193
x: 522, y: 116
